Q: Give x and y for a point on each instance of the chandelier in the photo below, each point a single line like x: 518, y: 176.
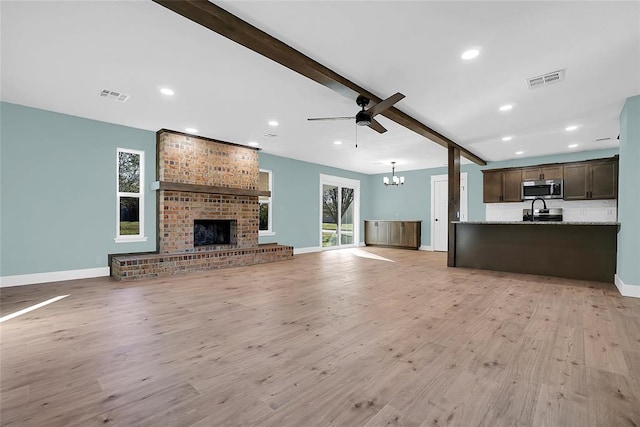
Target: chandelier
x: 395, y: 180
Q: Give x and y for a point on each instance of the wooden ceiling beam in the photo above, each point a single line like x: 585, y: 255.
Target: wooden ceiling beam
x: 230, y: 26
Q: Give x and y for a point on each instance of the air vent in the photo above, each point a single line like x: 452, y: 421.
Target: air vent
x: 545, y: 79
x: 116, y: 96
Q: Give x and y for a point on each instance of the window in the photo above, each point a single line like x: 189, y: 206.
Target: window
x: 266, y: 218
x: 130, y: 196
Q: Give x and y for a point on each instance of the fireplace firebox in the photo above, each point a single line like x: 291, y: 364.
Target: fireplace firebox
x: 210, y: 232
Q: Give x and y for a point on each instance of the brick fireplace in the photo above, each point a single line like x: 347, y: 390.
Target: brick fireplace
x: 206, y: 188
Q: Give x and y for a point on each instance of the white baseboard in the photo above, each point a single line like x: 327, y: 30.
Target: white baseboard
x: 425, y: 248
x: 53, y: 276
x: 298, y: 251
x: 625, y: 289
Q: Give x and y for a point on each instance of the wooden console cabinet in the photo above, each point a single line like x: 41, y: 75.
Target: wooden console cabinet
x: 402, y: 234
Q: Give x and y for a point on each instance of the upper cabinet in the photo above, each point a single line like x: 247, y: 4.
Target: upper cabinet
x: 537, y: 173
x: 502, y: 186
x: 594, y: 179
x: 587, y: 180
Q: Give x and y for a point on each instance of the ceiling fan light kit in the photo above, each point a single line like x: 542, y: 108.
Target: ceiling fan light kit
x: 363, y: 118
x: 395, y: 180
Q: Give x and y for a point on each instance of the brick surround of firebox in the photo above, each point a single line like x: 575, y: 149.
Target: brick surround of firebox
x: 180, y: 209
x: 202, y: 179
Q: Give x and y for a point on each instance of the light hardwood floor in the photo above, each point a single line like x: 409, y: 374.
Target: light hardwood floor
x: 367, y: 337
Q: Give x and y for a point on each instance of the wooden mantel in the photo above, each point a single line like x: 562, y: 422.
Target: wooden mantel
x: 210, y: 189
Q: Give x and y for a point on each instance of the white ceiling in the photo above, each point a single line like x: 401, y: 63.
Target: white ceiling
x: 59, y: 56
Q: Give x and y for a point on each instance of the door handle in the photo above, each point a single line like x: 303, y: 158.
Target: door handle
x: 436, y: 219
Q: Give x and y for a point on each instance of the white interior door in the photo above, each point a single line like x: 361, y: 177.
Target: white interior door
x: 440, y: 209
x: 440, y: 215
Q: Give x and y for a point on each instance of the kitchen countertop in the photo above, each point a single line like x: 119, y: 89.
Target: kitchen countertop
x: 535, y: 223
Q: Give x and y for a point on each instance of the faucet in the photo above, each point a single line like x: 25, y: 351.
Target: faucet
x: 534, y: 201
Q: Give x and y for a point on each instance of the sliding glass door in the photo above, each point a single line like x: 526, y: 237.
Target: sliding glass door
x: 339, y: 210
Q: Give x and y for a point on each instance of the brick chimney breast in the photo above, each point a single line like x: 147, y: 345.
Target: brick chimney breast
x: 185, y: 159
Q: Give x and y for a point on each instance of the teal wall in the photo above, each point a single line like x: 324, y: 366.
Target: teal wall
x: 58, y: 185
x: 412, y: 201
x: 296, y: 200
x: 629, y: 194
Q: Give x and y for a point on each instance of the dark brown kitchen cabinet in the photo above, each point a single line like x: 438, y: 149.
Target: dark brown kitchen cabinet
x: 403, y: 234
x: 502, y: 186
x: 587, y: 180
x: 542, y: 173
x: 594, y: 179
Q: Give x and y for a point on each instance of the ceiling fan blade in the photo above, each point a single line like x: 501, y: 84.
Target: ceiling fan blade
x: 383, y: 105
x: 331, y: 118
x: 375, y: 125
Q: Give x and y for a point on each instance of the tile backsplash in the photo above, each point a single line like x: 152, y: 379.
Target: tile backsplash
x: 573, y: 211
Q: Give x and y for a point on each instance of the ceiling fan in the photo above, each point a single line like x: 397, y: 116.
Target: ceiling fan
x: 366, y: 117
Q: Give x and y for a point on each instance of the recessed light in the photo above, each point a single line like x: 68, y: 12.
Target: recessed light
x: 572, y: 145
x: 570, y: 128
x: 273, y: 123
x: 519, y: 152
x: 506, y: 107
x: 470, y: 54
x: 166, y: 91
x: 507, y: 138
x: 191, y: 130
x: 254, y: 144
x: 337, y: 142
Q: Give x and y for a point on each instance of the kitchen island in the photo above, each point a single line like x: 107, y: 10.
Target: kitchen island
x: 575, y: 250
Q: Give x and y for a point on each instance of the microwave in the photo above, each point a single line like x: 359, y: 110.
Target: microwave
x: 548, y: 189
